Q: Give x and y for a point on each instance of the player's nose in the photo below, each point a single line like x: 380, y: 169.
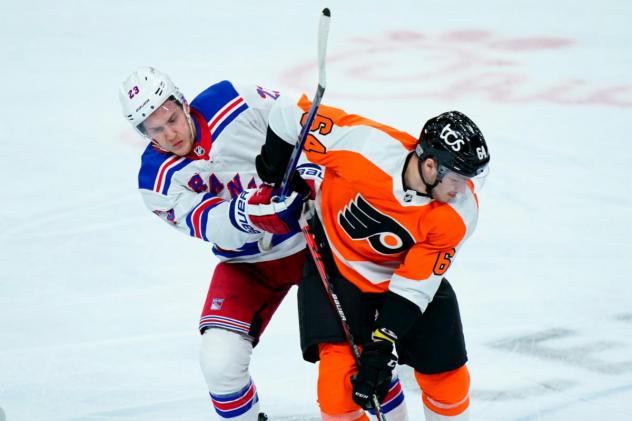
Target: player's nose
x: 170, y: 134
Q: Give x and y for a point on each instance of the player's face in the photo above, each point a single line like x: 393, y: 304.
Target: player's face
x: 169, y: 127
x: 451, y: 185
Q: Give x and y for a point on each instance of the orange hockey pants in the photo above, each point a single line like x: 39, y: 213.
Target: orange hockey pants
x: 444, y: 393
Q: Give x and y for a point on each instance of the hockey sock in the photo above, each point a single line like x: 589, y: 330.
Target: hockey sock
x: 241, y: 405
x: 393, y: 405
x: 445, y: 394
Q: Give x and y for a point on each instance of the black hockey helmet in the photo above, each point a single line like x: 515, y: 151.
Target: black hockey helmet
x: 456, y: 144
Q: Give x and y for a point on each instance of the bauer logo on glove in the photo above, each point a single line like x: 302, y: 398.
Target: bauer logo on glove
x: 238, y: 212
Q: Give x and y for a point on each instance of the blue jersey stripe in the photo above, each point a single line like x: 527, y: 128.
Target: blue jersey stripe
x: 233, y: 115
x: 151, y: 161
x: 204, y: 217
x: 171, y: 171
x: 190, y: 223
x: 247, y: 249
x: 214, y: 98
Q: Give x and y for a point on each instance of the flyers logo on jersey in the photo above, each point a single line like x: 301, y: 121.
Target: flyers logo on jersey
x: 360, y: 221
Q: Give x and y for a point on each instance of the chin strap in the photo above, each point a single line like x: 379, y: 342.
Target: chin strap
x: 419, y: 152
x: 429, y: 187
x: 187, y: 114
x: 441, y: 171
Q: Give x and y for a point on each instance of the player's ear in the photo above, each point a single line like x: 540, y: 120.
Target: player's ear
x: 430, y: 169
x: 430, y: 164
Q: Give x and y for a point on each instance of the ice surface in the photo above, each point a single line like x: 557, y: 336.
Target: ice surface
x: 99, y: 300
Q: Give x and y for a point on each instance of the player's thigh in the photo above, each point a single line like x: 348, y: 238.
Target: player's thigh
x: 275, y: 277
x: 236, y: 298
x: 283, y: 273
x: 319, y: 322
x: 436, y: 343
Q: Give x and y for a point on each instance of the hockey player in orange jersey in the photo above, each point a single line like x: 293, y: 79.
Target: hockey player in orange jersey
x: 391, y: 215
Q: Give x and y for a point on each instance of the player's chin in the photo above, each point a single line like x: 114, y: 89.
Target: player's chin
x: 444, y: 197
x: 181, y: 148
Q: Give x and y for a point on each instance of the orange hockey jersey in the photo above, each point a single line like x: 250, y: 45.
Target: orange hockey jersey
x: 383, y: 237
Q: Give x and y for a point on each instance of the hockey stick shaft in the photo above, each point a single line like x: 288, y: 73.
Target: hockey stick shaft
x: 323, y: 34
x: 314, y: 250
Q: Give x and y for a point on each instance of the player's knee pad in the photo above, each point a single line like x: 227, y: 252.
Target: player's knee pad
x: 336, y: 367
x: 446, y: 394
x: 224, y: 359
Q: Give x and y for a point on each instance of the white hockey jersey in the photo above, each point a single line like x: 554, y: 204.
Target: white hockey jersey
x: 194, y: 193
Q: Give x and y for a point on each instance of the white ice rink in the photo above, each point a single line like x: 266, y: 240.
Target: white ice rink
x: 99, y: 299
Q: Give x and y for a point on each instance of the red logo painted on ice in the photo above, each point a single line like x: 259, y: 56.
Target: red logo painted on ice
x: 465, y: 63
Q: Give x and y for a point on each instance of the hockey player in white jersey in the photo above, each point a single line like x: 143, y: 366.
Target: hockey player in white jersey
x: 197, y: 174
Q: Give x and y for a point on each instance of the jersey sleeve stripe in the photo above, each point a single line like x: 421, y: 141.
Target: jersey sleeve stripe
x: 166, y: 171
x: 414, y: 290
x: 203, y: 216
x: 197, y: 217
x: 223, y: 111
x: 155, y: 171
x: 248, y: 249
x: 227, y: 114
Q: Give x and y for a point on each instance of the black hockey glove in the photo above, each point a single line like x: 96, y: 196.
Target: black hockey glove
x: 273, y: 159
x: 302, y: 187
x: 377, y: 362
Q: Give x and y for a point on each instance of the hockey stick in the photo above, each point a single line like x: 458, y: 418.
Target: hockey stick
x: 323, y: 33
x: 314, y: 250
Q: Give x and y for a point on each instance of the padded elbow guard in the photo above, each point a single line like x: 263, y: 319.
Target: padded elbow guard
x: 273, y: 159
